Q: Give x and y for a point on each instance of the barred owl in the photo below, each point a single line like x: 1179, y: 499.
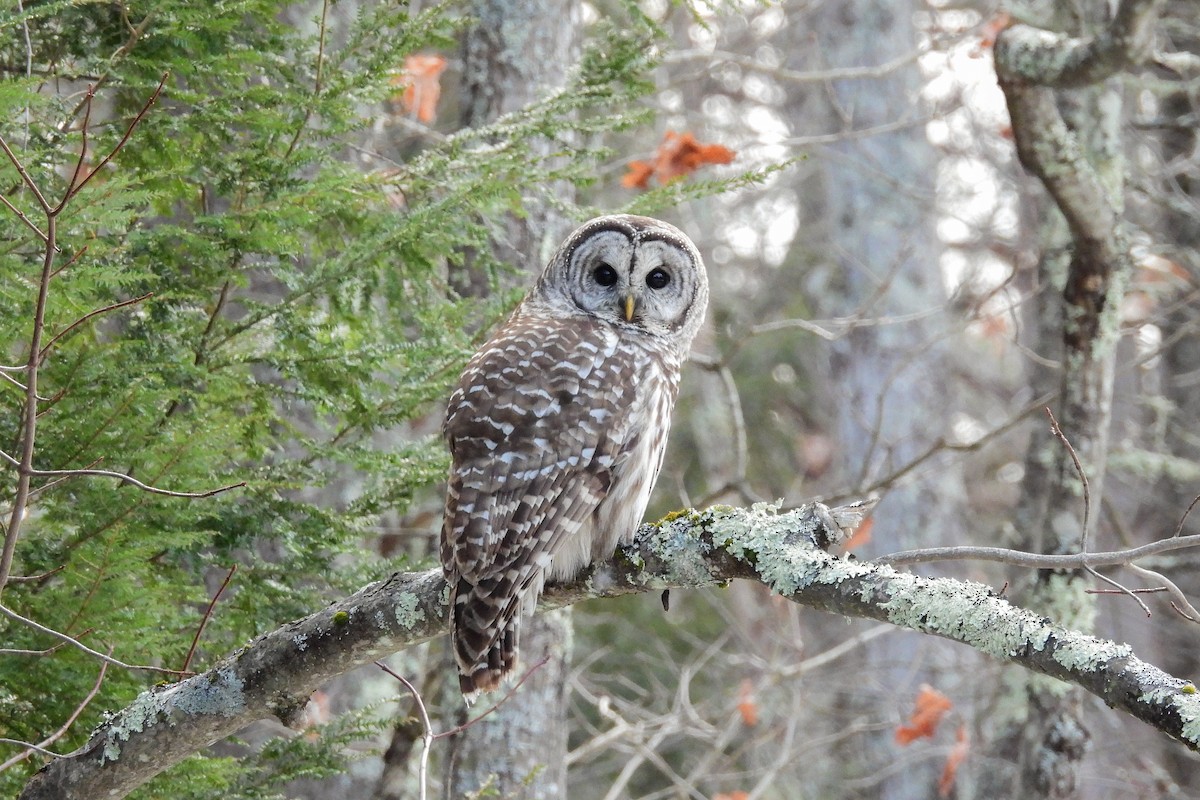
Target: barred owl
x: 558, y: 427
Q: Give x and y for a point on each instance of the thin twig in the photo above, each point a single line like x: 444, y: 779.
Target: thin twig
x: 308, y: 111
x: 1022, y: 558
x: 25, y: 178
x: 35, y: 578
x: 427, y: 736
x: 502, y: 701
x: 1087, y: 492
x: 67, y: 264
x: 1145, y: 590
x: 121, y: 476
x: 30, y: 410
x: 187, y: 662
x: 89, y: 98
x: 48, y: 485
x: 74, y: 188
x: 1179, y: 602
x: 30, y: 746
x: 54, y: 737
x: 21, y: 216
x: 1087, y: 508
x: 1183, y: 519
x: 37, y: 626
x: 56, y: 337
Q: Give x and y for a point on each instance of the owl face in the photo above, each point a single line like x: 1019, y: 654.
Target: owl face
x: 633, y: 273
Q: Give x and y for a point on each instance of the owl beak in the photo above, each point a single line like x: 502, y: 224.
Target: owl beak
x: 629, y: 307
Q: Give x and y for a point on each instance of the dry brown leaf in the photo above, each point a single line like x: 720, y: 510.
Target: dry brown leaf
x: 930, y: 707
x: 958, y: 754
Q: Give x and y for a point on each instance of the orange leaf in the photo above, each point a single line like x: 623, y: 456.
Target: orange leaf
x: 732, y: 796
x: 930, y: 707
x: 958, y: 754
x: 421, y: 80
x: 861, y: 536
x: 746, y: 706
x: 638, y: 176
x: 679, y: 154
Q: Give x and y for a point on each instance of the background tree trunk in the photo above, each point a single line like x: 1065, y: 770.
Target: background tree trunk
x: 515, y: 53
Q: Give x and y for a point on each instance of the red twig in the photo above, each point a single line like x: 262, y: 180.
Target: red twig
x: 187, y: 662
x: 90, y: 315
x: 36, y: 578
x: 76, y: 188
x: 88, y: 98
x: 78, y: 254
x: 502, y: 701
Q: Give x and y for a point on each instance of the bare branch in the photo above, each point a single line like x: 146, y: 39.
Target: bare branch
x: 187, y: 661
x: 711, y: 57
x: 120, y: 476
x: 1022, y: 558
x: 26, y: 179
x: 76, y: 188
x: 427, y: 734
x: 1179, y: 600
x: 107, y: 659
x: 90, y: 315
x: 21, y: 216
x: 1183, y: 519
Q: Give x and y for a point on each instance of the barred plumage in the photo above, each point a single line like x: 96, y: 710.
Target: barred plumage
x: 558, y: 427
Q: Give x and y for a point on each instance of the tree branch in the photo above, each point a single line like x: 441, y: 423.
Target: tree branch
x: 1043, y: 58
x: 275, y: 674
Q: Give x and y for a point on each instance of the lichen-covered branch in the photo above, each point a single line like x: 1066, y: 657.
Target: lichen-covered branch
x: 275, y: 674
x: 1045, y: 58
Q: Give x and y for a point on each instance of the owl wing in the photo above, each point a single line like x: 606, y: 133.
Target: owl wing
x: 536, y: 429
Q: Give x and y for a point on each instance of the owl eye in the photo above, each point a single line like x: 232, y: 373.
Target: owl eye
x: 605, y: 275
x: 658, y: 278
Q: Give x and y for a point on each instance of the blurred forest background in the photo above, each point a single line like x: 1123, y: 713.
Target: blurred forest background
x: 327, y: 206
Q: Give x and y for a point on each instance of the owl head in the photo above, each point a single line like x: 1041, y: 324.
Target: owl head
x: 634, y: 273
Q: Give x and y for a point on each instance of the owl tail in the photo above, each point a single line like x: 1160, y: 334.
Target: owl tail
x: 485, y: 638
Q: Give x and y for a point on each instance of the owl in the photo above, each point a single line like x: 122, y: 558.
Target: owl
x: 558, y: 427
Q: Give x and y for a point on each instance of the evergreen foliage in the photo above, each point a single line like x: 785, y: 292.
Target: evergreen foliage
x: 301, y: 324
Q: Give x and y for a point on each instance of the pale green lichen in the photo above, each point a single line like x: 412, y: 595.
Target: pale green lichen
x: 1086, y: 654
x: 678, y: 548
x: 966, y: 612
x: 301, y: 641
x: 408, y: 611
x: 756, y: 536
x: 219, y: 692
x: 1163, y: 689
x: 1188, y: 706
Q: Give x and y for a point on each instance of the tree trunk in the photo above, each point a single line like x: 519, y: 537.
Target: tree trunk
x: 1070, y: 140
x: 516, y: 53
